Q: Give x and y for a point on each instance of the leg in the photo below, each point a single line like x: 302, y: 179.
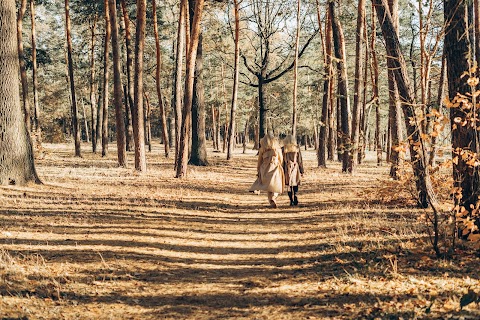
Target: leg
x: 290, y: 195
x: 295, y: 191
x: 271, y: 198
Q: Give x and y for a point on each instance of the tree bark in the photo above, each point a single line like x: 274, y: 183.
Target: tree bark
x: 75, y: 124
x: 93, y: 103
x: 198, y: 150
x: 339, y: 46
x: 130, y: 91
x: 359, y: 84
x: 394, y: 117
x: 178, y: 77
x: 465, y: 136
x: 163, y: 118
x: 36, y: 108
x: 440, y: 97
x: 16, y: 154
x: 233, y: 110
x: 137, y: 112
x: 106, y: 75
x: 417, y: 149
x: 21, y: 59
x: 188, y: 98
x: 295, y: 73
x: 378, y: 139
x: 117, y: 87
x: 324, y: 125
x: 198, y: 155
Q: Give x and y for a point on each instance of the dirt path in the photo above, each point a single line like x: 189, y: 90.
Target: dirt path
x: 99, y: 242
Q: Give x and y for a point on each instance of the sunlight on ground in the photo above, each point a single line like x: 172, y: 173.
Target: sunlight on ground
x: 97, y: 241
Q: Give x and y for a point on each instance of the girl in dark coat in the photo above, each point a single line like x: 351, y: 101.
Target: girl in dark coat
x: 292, y: 167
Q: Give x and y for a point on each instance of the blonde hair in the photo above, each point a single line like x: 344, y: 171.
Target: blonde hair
x: 290, y: 144
x: 289, y: 140
x: 269, y: 142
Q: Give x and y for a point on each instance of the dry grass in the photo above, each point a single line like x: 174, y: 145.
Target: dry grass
x: 100, y: 242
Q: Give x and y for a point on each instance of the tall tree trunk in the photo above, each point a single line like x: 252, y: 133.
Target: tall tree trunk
x: 148, y: 123
x: 198, y: 149
x: 130, y: 91
x: 233, y: 110
x: 394, y: 117
x: 465, y: 136
x: 85, y: 122
x: 163, y: 117
x: 36, y: 108
x: 177, y: 83
x: 440, y: 97
x: 339, y: 45
x: 106, y: 94
x: 295, y: 73
x: 137, y: 112
x: 358, y: 100
x: 75, y: 124
x: 189, y: 79
x: 414, y: 130
x: 327, y: 51
x: 225, y: 125
x: 93, y: 103
x: 262, y: 104
x: 21, y: 59
x: 214, y: 127
x: 476, y: 12
x: 378, y: 139
x: 198, y: 156
x: 16, y: 154
x: 117, y: 87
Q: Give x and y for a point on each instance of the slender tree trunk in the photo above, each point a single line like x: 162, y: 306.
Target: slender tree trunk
x: 117, y: 87
x: 214, y: 127
x: 85, y: 122
x: 394, y: 117
x: 106, y: 76
x: 130, y: 91
x: 198, y: 155
x: 225, y: 125
x: 476, y: 12
x: 414, y: 130
x: 465, y: 136
x: 233, y: 110
x: 21, y: 59
x: 262, y: 103
x: 36, y: 108
x: 178, y: 77
x: 378, y: 139
x: 75, y: 124
x: 359, y: 84
x: 324, y: 126
x: 93, y: 103
x: 339, y: 45
x: 163, y: 117
x: 440, y: 97
x: 198, y: 147
x: 148, y: 123
x: 16, y: 154
x: 137, y: 112
x: 189, y: 79
x: 295, y: 73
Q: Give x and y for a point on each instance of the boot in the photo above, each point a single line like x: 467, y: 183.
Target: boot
x: 290, y: 195
x: 295, y: 201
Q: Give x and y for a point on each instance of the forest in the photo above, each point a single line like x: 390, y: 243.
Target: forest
x: 132, y: 134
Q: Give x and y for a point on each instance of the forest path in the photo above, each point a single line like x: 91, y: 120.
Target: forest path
x: 107, y: 243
